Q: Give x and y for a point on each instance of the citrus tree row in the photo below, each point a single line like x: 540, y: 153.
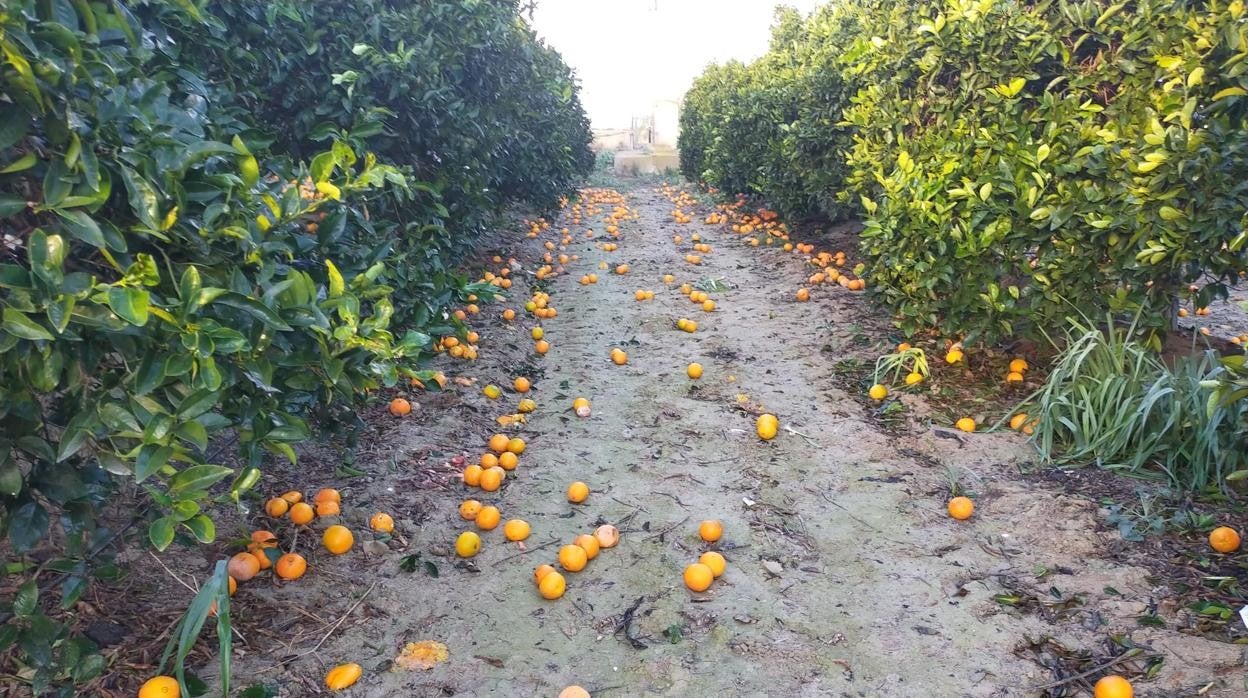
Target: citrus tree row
x: 1012, y: 163
x: 222, y: 222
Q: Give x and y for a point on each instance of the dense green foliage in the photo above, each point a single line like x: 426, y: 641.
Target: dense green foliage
x: 224, y: 219
x: 1012, y: 162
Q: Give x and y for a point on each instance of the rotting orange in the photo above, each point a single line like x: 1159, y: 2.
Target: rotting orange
x: 698, y: 577
x: 291, y: 566
x: 469, y: 508
x: 526, y: 405
x: 608, y: 536
x: 243, y: 566
x: 381, y: 523
x: 276, y: 507
x: 961, y: 508
x: 711, y: 530
x: 573, y: 558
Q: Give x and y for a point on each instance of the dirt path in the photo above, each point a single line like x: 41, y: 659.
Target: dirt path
x: 877, y: 593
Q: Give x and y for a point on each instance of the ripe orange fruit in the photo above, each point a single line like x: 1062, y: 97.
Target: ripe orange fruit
x: 469, y: 508
x: 1018, y: 365
x: 694, y: 370
x: 1018, y: 420
x: 291, y: 566
x: 877, y: 392
x: 509, y: 315
x: 803, y: 295
x: 698, y: 577
x: 492, y: 478
x: 293, y: 497
x: 498, y: 443
x: 328, y: 508
x: 338, y: 539
x: 400, y: 407
x: 578, y: 492
x: 467, y: 544
x: 965, y: 424
x: 301, y: 514
x: 537, y: 333
x: 516, y: 529
x: 708, y: 306
x: 381, y: 523
x: 541, y: 346
x: 1113, y: 686
x: 621, y: 269
x: 552, y: 586
x: 715, y: 561
x: 710, y: 530
x: 516, y: 445
x: 472, y: 475
x: 1224, y: 539
x: 526, y: 405
x: 343, y: 676
x: 276, y: 507
x: 573, y: 558
x: 487, y: 519
x: 1013, y: 377
x: 961, y: 508
x: 160, y: 687
x: 540, y: 572
x: 618, y: 356
x: 574, y: 692
x: 767, y: 425
x: 521, y: 385
x: 327, y: 494
x: 913, y: 378
x: 488, y: 460
x: 508, y: 460
x: 588, y: 543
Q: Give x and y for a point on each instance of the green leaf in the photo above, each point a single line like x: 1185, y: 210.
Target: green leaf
x: 197, y: 403
x: 151, y: 459
x: 18, y: 324
x: 28, y: 524
x: 337, y: 286
x: 255, y: 308
x: 83, y: 227
x: 26, y: 600
x: 160, y: 532
x: 198, y: 477
x: 143, y: 198
x: 131, y: 304
x: 25, y: 162
x: 202, y: 528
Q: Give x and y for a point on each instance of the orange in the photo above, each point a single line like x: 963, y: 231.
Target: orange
x: 621, y: 269
x: 472, y: 475
x: 233, y: 585
x: 619, y: 357
x: 537, y: 333
x: 608, y: 536
x: 343, y: 676
x: 498, y: 443
x: 516, y: 530
x: 489, y: 460
x: 526, y: 405
x: 715, y: 561
x: 381, y: 522
x: 400, y: 407
x: 961, y: 508
x: 337, y: 539
x: 276, y: 507
x: 521, y: 385
x: 589, y: 544
x: 469, y: 508
x: 1018, y: 365
x: 578, y: 492
x: 243, y: 566
x: 492, y: 479
x: 581, y: 406
x: 698, y: 577
x: 803, y: 295
x: 327, y: 495
x: 877, y: 392
x: 540, y: 572
x: 301, y: 514
x: 711, y: 530
x: 574, y: 692
x: 1113, y: 686
x: 708, y: 305
x: 329, y: 508
x: 160, y: 687
x: 954, y: 356
x: 914, y: 378
x: 487, y: 519
x: 1013, y: 377
x: 767, y: 425
x: 1018, y: 420
x: 293, y: 497
x: 509, y: 315
x: 467, y: 544
x: 516, y: 445
x: 508, y: 460
x: 965, y: 424
x: 694, y: 370
x: 573, y: 558
x: 552, y: 586
x: 291, y: 566
x: 542, y: 346
x: 263, y: 539
x: 1224, y: 539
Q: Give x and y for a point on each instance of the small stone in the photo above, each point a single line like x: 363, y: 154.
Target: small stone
x: 773, y: 567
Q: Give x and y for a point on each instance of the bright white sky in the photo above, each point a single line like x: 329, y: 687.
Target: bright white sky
x: 630, y: 53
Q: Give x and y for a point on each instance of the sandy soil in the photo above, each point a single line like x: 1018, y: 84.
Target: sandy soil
x: 845, y: 577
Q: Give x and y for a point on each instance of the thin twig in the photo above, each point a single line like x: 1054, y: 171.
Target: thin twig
x: 1116, y: 660
x: 176, y: 578
x: 526, y: 551
x: 668, y: 530
x: 324, y: 637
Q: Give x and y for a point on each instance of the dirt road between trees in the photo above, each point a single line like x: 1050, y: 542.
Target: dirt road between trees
x: 845, y: 576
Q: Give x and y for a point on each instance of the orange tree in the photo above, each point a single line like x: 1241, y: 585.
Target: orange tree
x: 178, y: 270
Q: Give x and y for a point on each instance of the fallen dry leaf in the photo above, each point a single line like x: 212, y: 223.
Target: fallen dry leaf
x: 507, y: 419
x: 421, y: 655
x: 461, y: 380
